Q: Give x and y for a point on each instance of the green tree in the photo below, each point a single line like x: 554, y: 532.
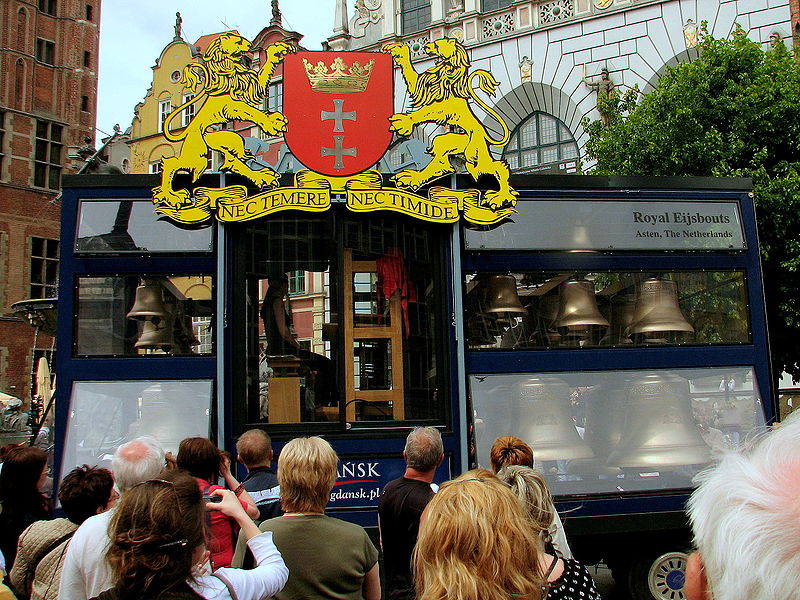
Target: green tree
x: 734, y: 111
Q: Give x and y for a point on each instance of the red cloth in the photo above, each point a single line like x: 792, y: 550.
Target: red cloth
x: 223, y: 530
x: 393, y: 277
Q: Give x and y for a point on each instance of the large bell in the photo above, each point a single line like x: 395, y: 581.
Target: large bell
x: 501, y: 296
x: 577, y: 310
x: 149, y: 301
x: 659, y: 432
x: 620, y: 313
x: 156, y: 336
x: 657, y: 311
x: 545, y: 420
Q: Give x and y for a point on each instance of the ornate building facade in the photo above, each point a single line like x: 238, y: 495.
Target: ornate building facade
x: 554, y: 57
x: 48, y: 95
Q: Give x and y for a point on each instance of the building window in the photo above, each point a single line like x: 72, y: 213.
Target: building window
x: 415, y: 15
x: 45, y: 51
x: 44, y: 268
x: 188, y: 112
x: 85, y: 103
x: 164, y: 108
x: 540, y: 142
x: 297, y: 282
x: 489, y: 5
x: 87, y: 59
x: 155, y: 167
x: 275, y: 97
x: 47, y: 6
x: 89, y: 12
x: 47, y: 155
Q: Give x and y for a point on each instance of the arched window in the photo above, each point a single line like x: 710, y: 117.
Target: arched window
x: 540, y: 143
x: 19, y: 84
x: 22, y: 28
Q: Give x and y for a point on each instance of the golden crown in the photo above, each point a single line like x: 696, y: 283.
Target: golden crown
x: 339, y: 79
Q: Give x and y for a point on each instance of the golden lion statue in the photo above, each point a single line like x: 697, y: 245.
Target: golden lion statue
x: 442, y: 95
x: 230, y: 90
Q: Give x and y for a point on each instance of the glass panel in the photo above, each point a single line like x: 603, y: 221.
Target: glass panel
x: 529, y: 157
x: 41, y: 150
x: 527, y: 133
x: 113, y: 226
x: 619, y: 431
x: 54, y: 177
x: 105, y: 414
x: 618, y: 225
x: 550, y: 154
x: 372, y: 364
x: 569, y: 151
x: 534, y: 310
x: 512, y: 160
x: 549, y: 132
x: 363, y: 342
x: 143, y: 316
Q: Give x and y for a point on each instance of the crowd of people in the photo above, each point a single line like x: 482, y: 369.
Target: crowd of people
x: 158, y: 527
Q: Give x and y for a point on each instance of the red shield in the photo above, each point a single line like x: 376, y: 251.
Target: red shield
x: 338, y: 105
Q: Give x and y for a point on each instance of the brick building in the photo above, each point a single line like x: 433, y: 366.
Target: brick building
x: 48, y: 96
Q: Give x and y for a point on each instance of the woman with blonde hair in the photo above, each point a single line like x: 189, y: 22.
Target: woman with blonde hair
x: 475, y: 543
x: 569, y: 580
x: 509, y: 450
x: 327, y: 557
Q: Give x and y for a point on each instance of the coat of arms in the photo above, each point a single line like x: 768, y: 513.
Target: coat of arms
x: 338, y: 107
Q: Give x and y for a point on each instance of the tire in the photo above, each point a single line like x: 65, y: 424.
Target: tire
x: 659, y: 577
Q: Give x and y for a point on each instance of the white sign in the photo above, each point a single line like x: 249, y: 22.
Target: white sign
x: 554, y: 224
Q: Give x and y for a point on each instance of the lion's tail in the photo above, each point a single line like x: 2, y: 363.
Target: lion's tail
x: 168, y: 121
x: 488, y: 84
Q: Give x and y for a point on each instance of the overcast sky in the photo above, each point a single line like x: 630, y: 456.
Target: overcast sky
x: 133, y: 34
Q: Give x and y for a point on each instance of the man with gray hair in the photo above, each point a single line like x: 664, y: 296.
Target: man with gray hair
x: 86, y: 571
x: 745, y: 516
x: 401, y: 506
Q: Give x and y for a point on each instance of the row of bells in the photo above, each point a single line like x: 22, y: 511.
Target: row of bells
x: 654, y: 312
x: 645, y: 423
x: 161, y: 329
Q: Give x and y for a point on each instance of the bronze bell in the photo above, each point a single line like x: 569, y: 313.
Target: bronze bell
x: 605, y: 417
x: 620, y: 313
x: 657, y: 311
x: 577, y: 310
x: 157, y: 336
x: 545, y: 420
x: 659, y: 431
x: 149, y: 301
x: 501, y: 296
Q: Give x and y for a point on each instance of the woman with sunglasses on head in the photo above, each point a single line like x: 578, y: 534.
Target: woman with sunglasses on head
x: 511, y: 451
x: 568, y: 580
x: 158, y: 546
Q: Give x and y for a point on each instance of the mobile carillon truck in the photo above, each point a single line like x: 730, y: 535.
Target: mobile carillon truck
x: 616, y: 325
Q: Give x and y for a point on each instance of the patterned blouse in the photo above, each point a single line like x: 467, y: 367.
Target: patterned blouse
x: 575, y: 583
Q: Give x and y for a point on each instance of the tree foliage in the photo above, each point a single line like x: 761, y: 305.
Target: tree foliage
x: 734, y: 111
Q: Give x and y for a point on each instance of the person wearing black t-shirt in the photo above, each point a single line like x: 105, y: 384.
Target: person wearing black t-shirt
x: 401, y: 506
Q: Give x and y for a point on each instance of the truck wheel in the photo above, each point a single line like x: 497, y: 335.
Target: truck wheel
x: 658, y: 578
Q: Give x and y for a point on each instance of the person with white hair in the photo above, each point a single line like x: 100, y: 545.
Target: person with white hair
x: 745, y: 517
x: 86, y: 571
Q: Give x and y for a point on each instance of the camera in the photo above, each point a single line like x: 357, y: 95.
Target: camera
x: 209, y: 498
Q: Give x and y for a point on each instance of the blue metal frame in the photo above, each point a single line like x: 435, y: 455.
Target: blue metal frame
x: 363, y: 444
x: 388, y: 442
x: 596, y: 359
